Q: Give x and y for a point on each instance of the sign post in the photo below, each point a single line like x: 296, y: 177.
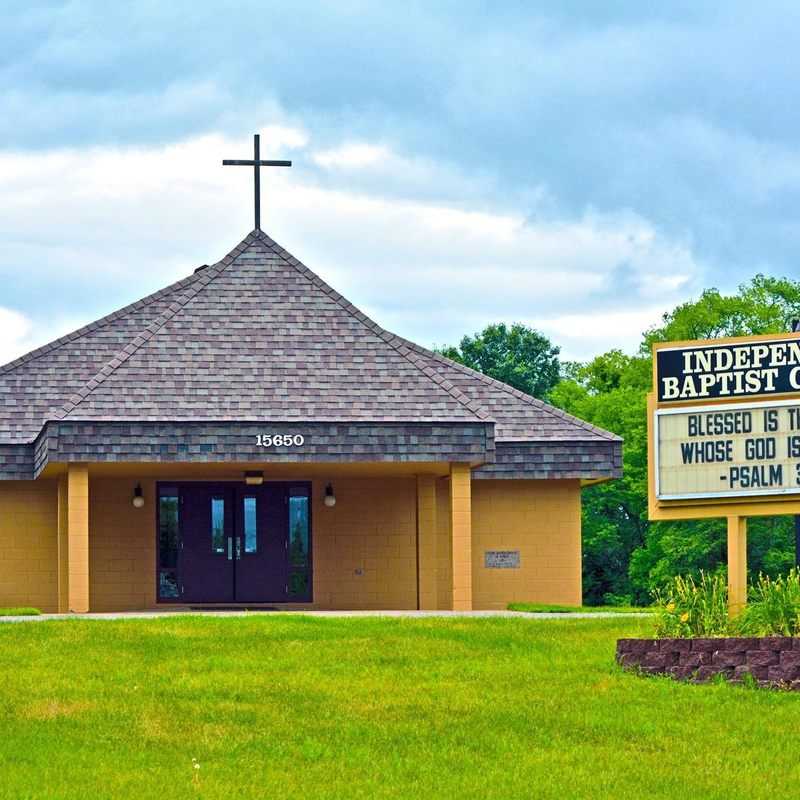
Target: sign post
x: 737, y: 564
x: 724, y: 436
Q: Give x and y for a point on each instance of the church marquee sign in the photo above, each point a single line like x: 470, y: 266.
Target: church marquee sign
x: 724, y: 426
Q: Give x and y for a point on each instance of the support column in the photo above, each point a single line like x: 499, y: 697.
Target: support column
x: 63, y: 552
x: 461, y: 535
x: 427, y: 571
x: 78, y: 537
x: 737, y: 564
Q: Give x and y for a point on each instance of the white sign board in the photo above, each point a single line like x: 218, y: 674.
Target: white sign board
x: 734, y: 450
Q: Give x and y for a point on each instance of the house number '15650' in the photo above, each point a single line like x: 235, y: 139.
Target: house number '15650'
x: 280, y: 440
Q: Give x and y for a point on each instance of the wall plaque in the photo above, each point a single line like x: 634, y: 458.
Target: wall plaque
x: 501, y: 559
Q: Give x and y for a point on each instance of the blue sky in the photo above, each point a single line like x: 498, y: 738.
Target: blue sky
x: 580, y: 167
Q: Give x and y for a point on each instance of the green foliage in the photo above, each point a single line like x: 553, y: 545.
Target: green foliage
x: 24, y: 611
x: 547, y: 608
x: 774, y: 606
x: 687, y: 608
x: 764, y: 305
x: 518, y: 356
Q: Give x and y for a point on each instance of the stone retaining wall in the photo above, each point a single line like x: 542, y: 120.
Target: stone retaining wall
x: 772, y: 661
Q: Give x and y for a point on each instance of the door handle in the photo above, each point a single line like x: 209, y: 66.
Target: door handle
x: 230, y: 549
x: 238, y: 548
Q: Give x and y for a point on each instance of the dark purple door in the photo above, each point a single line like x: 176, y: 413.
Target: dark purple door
x: 207, y: 551
x: 261, y: 544
x: 235, y: 543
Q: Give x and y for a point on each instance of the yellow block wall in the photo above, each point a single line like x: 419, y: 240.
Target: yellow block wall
x: 373, y: 528
x: 29, y: 544
x: 122, y: 546
x: 541, y: 519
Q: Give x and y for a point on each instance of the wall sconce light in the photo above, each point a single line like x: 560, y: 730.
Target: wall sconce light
x: 330, y: 497
x: 138, y: 497
x: 254, y: 478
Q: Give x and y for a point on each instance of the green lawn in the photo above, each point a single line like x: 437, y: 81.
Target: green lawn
x: 539, y: 608
x: 19, y: 612
x: 299, y: 707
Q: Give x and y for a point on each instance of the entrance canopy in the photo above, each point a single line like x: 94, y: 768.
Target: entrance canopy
x: 255, y: 359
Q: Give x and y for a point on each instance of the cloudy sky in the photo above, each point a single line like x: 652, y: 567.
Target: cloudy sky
x: 577, y: 166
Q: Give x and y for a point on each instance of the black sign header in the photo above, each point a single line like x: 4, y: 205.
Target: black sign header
x: 706, y: 372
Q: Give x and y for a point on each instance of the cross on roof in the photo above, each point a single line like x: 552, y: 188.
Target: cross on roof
x: 256, y: 163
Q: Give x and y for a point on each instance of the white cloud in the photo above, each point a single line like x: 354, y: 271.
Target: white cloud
x: 83, y: 232
x: 598, y: 331
x: 15, y: 332
x: 353, y: 155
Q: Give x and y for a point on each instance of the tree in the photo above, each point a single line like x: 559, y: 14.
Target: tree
x: 518, y: 356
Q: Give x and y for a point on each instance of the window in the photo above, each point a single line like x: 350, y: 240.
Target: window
x: 299, y: 554
x: 250, y: 525
x: 218, y: 525
x: 168, y: 543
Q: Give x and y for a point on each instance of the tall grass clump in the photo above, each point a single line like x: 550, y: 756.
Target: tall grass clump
x: 773, y: 608
x: 686, y: 607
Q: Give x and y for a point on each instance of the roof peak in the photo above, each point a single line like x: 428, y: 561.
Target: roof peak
x: 209, y: 274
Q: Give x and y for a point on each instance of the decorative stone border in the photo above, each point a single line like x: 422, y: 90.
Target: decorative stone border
x: 772, y: 661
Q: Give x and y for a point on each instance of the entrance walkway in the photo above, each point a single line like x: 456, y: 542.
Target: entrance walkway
x: 256, y: 612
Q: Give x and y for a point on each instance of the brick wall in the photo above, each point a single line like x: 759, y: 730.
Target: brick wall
x: 771, y: 660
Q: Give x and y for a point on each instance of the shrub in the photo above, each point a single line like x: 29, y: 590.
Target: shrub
x: 610, y: 599
x: 773, y: 608
x: 687, y: 608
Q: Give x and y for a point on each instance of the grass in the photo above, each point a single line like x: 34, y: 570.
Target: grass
x: 19, y: 612
x: 300, y: 707
x: 541, y: 608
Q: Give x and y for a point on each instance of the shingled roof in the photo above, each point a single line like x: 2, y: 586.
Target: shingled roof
x: 258, y: 336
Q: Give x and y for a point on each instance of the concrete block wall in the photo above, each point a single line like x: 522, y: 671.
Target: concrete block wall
x: 122, y: 545
x: 29, y: 544
x: 540, y: 519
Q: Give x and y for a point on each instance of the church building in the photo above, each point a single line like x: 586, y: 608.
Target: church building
x: 247, y: 437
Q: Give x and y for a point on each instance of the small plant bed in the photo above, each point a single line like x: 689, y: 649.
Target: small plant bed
x: 19, y: 612
x: 697, y: 639
x: 544, y: 608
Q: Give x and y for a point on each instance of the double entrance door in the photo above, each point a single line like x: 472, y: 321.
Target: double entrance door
x: 237, y: 543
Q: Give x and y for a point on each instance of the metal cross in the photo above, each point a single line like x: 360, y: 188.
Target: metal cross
x: 256, y: 163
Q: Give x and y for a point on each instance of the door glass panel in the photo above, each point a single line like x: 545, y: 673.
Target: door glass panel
x: 250, y: 525
x: 168, y: 533
x: 168, y: 530
x: 299, y: 583
x: 217, y: 525
x: 298, y: 531
x: 168, y: 584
